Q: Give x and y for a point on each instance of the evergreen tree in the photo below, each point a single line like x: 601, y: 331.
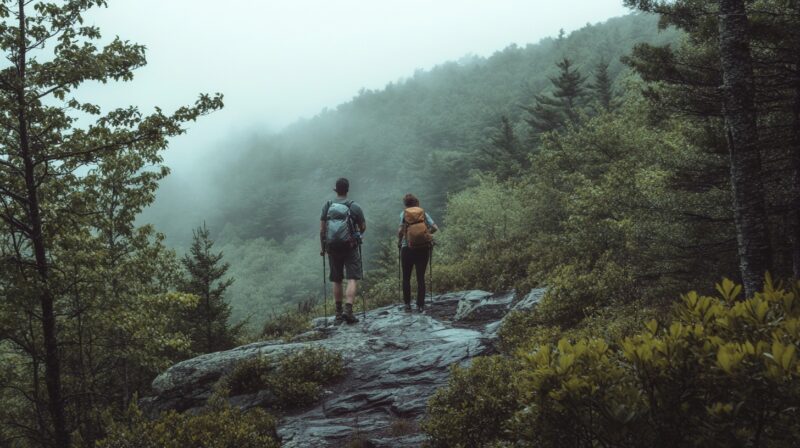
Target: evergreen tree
x: 758, y: 59
x: 207, y: 324
x: 553, y: 113
x: 742, y: 129
x: 601, y: 87
x: 504, y: 155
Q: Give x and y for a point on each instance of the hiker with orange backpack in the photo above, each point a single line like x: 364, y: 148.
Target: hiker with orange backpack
x: 415, y: 241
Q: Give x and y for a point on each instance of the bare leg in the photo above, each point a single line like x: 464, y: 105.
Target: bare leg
x: 352, y: 286
x: 337, y: 292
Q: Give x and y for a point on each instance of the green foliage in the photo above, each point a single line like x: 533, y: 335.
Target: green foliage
x: 207, y: 323
x: 485, y: 227
x: 86, y: 293
x: 295, y: 379
x: 475, y: 407
x: 722, y: 372
x: 564, y: 106
x: 221, y: 426
x: 285, y: 325
x: 300, y: 376
x: 271, y: 277
x: 606, y: 216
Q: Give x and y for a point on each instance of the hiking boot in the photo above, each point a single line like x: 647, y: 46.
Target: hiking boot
x: 339, y: 314
x: 407, y: 308
x: 348, y: 314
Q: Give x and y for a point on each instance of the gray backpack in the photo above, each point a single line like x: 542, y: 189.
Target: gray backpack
x: 339, y: 228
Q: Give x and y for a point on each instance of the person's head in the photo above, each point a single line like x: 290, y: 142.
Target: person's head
x: 410, y: 200
x: 342, y: 186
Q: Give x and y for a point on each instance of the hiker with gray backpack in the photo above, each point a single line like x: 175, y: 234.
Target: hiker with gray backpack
x: 342, y: 226
x: 415, y: 242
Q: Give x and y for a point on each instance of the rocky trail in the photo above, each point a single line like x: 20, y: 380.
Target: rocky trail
x: 395, y: 361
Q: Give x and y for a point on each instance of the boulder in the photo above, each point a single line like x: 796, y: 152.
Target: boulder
x: 531, y: 300
x: 484, y: 307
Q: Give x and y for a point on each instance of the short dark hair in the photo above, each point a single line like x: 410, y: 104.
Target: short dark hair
x: 410, y: 200
x: 342, y: 185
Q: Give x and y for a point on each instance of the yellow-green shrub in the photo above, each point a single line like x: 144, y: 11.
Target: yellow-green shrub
x: 723, y: 372
x: 220, y: 426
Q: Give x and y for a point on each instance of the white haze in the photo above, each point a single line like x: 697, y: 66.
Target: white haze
x: 278, y: 61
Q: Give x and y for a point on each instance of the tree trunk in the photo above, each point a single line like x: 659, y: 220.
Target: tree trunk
x: 794, y: 204
x: 740, y: 119
x: 52, y: 362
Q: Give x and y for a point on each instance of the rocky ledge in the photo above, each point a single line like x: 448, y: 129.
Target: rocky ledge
x: 395, y: 361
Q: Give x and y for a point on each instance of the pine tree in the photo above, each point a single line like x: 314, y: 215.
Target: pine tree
x: 553, y: 113
x: 504, y: 155
x: 601, y: 87
x: 207, y: 324
x: 742, y: 129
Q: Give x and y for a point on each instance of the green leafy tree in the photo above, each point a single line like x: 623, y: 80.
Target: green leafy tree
x: 208, y: 323
x: 45, y: 207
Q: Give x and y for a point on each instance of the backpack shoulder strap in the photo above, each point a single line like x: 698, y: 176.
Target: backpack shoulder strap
x: 327, y: 209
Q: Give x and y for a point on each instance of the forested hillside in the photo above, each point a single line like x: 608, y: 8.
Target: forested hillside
x: 640, y: 176
x: 428, y: 134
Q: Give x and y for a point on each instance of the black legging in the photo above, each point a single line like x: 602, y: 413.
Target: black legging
x: 414, y: 259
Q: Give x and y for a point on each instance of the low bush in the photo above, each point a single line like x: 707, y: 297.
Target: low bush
x: 476, y: 406
x: 296, y: 379
x: 721, y: 372
x: 299, y: 379
x: 286, y: 325
x: 221, y: 426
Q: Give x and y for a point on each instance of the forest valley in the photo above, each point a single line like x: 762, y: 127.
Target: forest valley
x: 632, y: 168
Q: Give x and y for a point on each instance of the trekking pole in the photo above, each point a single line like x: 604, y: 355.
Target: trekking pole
x: 430, y: 276
x: 400, y: 267
x: 324, y: 290
x: 363, y: 295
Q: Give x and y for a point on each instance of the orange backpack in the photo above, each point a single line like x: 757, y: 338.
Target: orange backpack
x: 416, y: 229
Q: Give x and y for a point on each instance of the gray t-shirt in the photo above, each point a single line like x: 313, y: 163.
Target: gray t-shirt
x: 355, y: 211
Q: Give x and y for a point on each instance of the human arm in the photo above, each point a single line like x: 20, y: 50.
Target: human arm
x: 432, y: 227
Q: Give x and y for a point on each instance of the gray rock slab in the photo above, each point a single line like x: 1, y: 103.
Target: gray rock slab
x: 395, y: 361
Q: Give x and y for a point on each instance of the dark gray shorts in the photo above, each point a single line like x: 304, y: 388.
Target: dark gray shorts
x: 344, y: 265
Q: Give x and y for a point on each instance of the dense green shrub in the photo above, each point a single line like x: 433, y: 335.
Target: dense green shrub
x: 249, y: 376
x: 221, y: 426
x: 295, y: 379
x: 475, y: 407
x: 300, y: 376
x: 286, y: 325
x: 722, y: 372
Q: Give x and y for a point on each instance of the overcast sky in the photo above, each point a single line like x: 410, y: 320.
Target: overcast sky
x: 277, y: 61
